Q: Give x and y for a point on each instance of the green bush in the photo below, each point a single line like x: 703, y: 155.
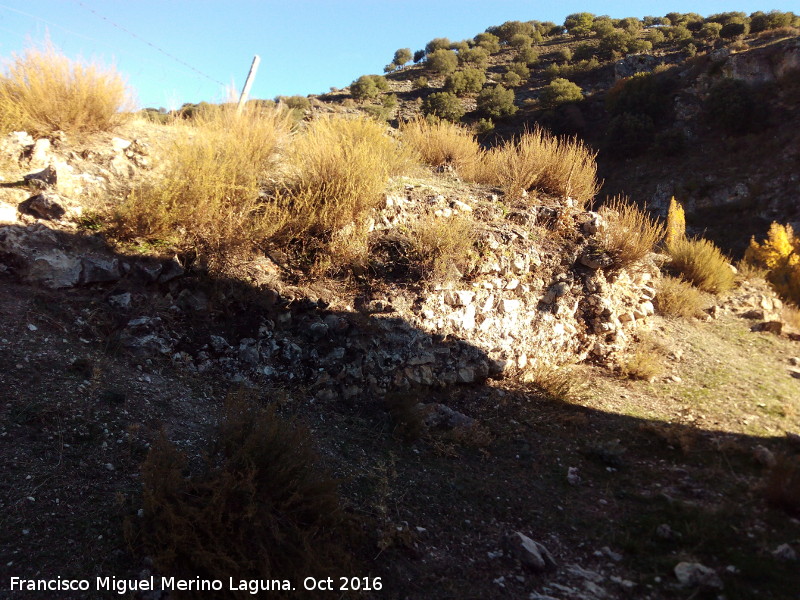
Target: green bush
x: 579, y: 24
x: 420, y: 83
x: 670, y: 142
x: 402, y: 56
x: 520, y: 69
x: 295, y: 102
x: 468, y: 81
x: 460, y: 46
x: 496, y: 102
x: 437, y: 44
x: 484, y: 126
x: 511, y: 79
x: 560, y: 91
x: 528, y: 56
x: 564, y: 55
x: 368, y: 87
x: 419, y: 55
x: 520, y: 40
x: 476, y: 57
x: 442, y: 61
x: 487, y: 41
x: 733, y: 30
x: 710, y: 31
x: 444, y: 105
x: 644, y: 93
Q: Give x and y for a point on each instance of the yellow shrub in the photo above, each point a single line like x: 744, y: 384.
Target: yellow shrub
x: 780, y: 255
x: 442, y: 247
x: 44, y: 91
x: 210, y: 198
x: 539, y: 160
x: 701, y: 263
x: 338, y: 169
x: 443, y: 143
x: 678, y: 298
x: 676, y: 223
x: 630, y: 234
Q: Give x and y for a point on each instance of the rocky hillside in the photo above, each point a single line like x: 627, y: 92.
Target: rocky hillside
x: 472, y: 460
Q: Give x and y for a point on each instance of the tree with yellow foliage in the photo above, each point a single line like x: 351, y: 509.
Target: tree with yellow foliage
x: 780, y: 255
x: 676, y: 223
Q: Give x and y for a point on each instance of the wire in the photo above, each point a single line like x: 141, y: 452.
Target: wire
x: 141, y: 39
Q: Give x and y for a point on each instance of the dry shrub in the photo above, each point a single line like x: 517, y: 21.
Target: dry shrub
x: 779, y: 32
x: 441, y: 142
x: 783, y: 485
x: 346, y: 250
x: 644, y: 360
x: 539, y: 160
x: 257, y: 508
x: 210, y: 198
x: 43, y: 91
x: 678, y: 298
x: 442, y: 247
x: 558, y: 384
x: 338, y: 169
x: 630, y: 234
x: 791, y: 315
x: 701, y: 263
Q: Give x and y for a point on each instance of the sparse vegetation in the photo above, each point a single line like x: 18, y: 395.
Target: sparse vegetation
x: 678, y: 298
x: 630, y: 234
x: 645, y: 360
x: 42, y: 91
x: 700, y: 262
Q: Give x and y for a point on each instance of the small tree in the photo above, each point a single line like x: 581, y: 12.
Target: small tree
x: 579, y: 24
x: 368, y: 87
x: 560, y: 91
x: 676, y: 223
x: 419, y: 55
x: 443, y: 105
x: 488, y: 41
x: 780, y: 255
x: 496, y: 101
x: 520, y: 40
x: 402, y: 56
x: 520, y: 69
x: 468, y: 81
x: 437, y: 44
x: 420, y: 83
x: 528, y: 55
x: 476, y: 57
x: 443, y: 61
x: 390, y: 68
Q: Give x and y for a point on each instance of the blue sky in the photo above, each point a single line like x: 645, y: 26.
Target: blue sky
x: 306, y: 46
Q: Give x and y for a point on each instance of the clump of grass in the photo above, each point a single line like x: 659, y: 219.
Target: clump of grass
x: 338, y: 168
x: 442, y: 247
x: 644, y: 360
x: 630, y: 234
x: 791, y: 315
x: 42, y: 91
x: 258, y: 508
x: 558, y: 384
x: 701, y: 263
x: 440, y: 142
x: 210, y: 197
x: 676, y: 297
x: 539, y: 160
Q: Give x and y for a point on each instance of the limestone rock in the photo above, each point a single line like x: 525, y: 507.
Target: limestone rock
x: 697, y: 575
x: 45, y: 206
x: 533, y: 555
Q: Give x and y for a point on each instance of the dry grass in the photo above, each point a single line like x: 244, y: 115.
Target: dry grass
x: 701, y: 263
x: 644, y: 360
x: 678, y: 298
x: 443, y: 247
x: 442, y: 143
x: 338, y: 169
x: 630, y: 234
x: 43, y: 91
x: 258, y: 508
x: 558, y: 384
x: 538, y: 160
x: 791, y: 315
x: 210, y: 198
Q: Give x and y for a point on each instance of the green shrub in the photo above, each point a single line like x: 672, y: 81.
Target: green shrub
x: 484, y: 126
x: 579, y: 24
x: 437, y: 44
x: 257, y: 507
x: 710, y: 31
x: 419, y: 55
x: 528, y: 56
x: 733, y: 30
x: 520, y: 40
x: 488, y: 41
x: 368, y: 87
x: 442, y: 61
x: 701, y: 263
x: 444, y: 105
x: 642, y: 94
x: 468, y: 81
x: 560, y: 91
x: 511, y: 79
x: 402, y: 56
x: 564, y: 55
x: 300, y: 103
x: 420, y: 83
x: 476, y: 57
x: 520, y: 69
x: 496, y: 102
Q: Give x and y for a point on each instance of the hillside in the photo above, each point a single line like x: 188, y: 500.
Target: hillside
x: 294, y: 351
